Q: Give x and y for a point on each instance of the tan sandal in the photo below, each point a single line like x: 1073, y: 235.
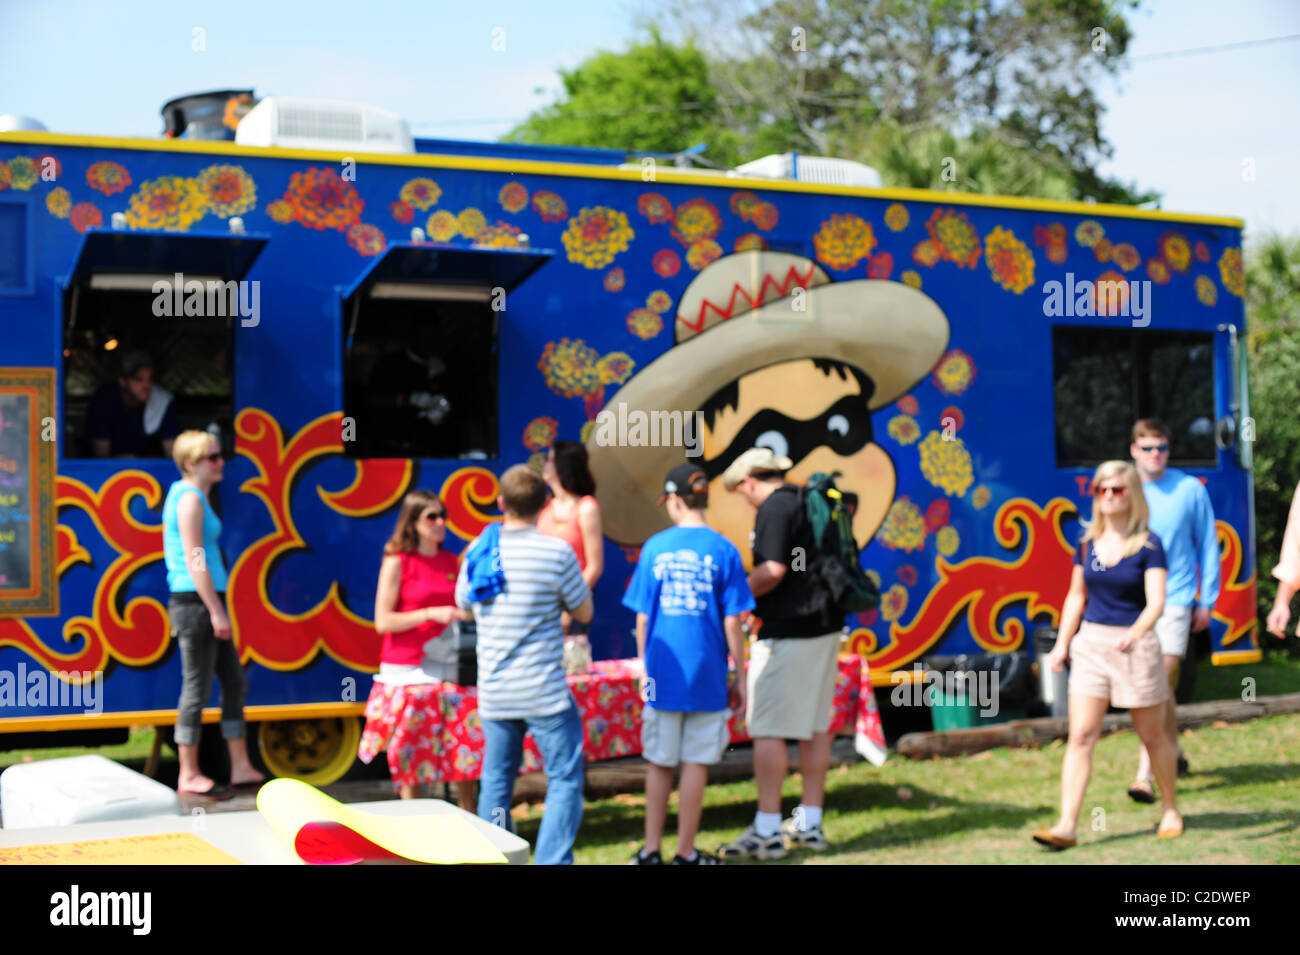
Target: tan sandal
x: 1045, y: 837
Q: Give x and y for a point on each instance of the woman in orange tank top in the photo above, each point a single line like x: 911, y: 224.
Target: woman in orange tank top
x: 572, y: 514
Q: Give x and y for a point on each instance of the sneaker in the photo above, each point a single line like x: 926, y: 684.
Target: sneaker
x: 750, y: 843
x: 796, y: 838
x: 701, y: 858
x: 646, y: 858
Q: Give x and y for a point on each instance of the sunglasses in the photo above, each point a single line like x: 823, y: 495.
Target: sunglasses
x: 1148, y: 448
x: 1109, y: 491
x: 435, y: 516
x: 212, y: 458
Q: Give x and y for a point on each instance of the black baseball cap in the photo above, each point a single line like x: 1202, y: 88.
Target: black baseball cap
x: 685, y: 478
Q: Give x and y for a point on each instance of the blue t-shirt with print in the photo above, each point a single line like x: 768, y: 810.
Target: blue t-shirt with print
x: 687, y: 580
x: 1117, y: 595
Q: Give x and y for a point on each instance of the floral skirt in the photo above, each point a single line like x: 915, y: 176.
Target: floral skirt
x: 421, y: 727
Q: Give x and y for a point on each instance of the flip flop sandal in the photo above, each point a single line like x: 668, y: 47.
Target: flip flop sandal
x: 1045, y: 837
x: 217, y: 793
x: 1139, y: 794
x: 249, y: 785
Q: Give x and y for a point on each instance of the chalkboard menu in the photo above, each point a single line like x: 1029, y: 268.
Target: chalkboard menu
x: 28, y: 587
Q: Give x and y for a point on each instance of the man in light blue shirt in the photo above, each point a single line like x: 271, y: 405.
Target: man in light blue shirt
x: 1183, y: 519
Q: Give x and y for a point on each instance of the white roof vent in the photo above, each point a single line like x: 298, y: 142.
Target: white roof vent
x: 11, y: 123
x: 323, y: 124
x: 823, y: 170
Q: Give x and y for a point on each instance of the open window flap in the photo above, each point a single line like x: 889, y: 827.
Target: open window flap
x: 451, y: 265
x: 223, y: 254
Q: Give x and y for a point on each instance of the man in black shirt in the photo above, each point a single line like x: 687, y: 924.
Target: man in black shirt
x: 132, y: 417
x: 793, y: 662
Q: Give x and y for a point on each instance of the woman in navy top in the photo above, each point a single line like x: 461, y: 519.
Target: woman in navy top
x: 1117, y: 592
x: 196, y: 577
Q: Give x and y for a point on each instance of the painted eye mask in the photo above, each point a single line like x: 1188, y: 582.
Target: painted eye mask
x: 844, y: 427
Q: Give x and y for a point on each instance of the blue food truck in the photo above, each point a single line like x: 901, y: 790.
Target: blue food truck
x: 355, y: 312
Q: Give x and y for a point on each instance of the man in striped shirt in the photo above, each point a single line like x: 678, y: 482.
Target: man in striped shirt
x: 521, y: 684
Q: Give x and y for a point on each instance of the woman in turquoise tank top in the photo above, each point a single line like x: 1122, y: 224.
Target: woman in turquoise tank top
x: 196, y: 577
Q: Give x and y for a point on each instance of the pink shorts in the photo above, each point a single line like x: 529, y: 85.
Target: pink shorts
x: 1129, y: 679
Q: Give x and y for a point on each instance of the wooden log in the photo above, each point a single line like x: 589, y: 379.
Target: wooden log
x: 1036, y: 732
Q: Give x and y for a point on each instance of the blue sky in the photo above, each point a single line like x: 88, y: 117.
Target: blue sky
x: 1186, y: 125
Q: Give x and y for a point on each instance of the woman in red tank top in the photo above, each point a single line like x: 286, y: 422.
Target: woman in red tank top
x: 414, y: 603
x: 572, y: 514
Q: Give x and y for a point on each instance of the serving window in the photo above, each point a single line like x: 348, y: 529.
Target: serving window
x: 1106, y: 379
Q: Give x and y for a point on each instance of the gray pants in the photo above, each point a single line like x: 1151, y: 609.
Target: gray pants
x: 202, y: 656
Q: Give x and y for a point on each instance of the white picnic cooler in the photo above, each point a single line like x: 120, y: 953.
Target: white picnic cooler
x: 60, y: 792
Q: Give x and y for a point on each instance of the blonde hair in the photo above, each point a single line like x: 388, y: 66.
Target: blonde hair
x: 189, y: 447
x: 1136, y: 535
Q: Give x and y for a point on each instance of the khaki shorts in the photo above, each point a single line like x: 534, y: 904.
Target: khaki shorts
x: 669, y: 737
x: 1173, y: 630
x: 1129, y: 679
x: 791, y: 686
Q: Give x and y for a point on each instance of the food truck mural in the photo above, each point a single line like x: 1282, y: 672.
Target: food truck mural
x: 431, y: 319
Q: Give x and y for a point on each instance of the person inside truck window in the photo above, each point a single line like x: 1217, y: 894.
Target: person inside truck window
x: 132, y: 417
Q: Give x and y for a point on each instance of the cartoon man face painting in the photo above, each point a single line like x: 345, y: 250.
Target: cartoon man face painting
x: 771, y: 353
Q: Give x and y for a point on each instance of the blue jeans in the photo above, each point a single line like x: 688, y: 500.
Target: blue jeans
x: 559, y: 737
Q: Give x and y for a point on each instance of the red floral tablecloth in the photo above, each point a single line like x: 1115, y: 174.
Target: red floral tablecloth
x: 610, y: 704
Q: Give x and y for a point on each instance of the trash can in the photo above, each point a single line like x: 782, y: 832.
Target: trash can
x: 978, y: 689
x: 1053, y: 687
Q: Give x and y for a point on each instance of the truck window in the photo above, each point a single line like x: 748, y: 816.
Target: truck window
x: 1105, y: 379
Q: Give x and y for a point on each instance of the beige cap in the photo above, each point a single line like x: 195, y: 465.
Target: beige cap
x: 754, y: 461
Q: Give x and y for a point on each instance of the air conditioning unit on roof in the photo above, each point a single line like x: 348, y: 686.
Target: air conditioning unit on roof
x: 823, y: 170
x: 294, y: 123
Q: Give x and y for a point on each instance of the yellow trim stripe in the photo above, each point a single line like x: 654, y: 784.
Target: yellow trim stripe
x: 1231, y: 657
x: 582, y: 171
x: 253, y: 714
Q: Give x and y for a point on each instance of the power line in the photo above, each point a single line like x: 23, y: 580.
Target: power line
x: 1195, y: 51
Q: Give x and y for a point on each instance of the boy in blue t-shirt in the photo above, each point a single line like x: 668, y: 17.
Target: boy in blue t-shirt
x: 688, y: 592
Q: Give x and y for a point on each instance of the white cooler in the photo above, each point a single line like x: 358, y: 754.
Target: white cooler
x: 59, y: 792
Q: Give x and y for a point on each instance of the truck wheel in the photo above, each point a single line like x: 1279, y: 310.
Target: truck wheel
x: 317, y: 751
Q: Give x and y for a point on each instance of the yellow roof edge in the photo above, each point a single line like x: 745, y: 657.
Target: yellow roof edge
x: 668, y: 175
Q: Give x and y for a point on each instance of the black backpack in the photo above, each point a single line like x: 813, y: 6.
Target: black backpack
x: 839, y: 584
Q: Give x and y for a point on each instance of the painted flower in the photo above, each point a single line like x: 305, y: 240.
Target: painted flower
x: 585, y: 434
x: 540, y: 433
x: 596, y: 235
x: 402, y: 212
x: 748, y: 241
x: 695, y: 221
x: 897, y: 217
x: 614, y: 280
x: 947, y: 541
x: 666, y: 263
x: 615, y: 368
x: 1158, y: 271
x: 908, y: 404
x: 23, y: 173
x: 879, y: 265
x: 1126, y: 257
x: 85, y: 215
x: 550, y: 206
x: 570, y: 367
x: 654, y: 207
x: 6, y: 177
x: 500, y: 235
x: 367, y: 239
x: 1110, y: 293
x: 593, y: 402
x: 537, y: 460
x: 280, y: 211
x: 48, y: 167
x: 513, y: 197
x: 1102, y: 250
x: 745, y: 205
x: 443, y: 226
x: 702, y: 253
x: 1207, y: 293
x: 1088, y: 232
x: 893, y: 602
x: 1202, y: 252
x: 322, y: 199
x: 954, y: 372
x: 980, y: 499
x: 168, y: 202
x: 937, y: 514
x: 1175, y: 250
x: 659, y: 301
x: 903, y: 429
x: 229, y: 190
x: 1231, y: 272
x: 844, y: 240
x: 1049, y: 235
x: 421, y: 193
x: 902, y: 528
x: 951, y: 418
x: 911, y: 278
x: 644, y: 323
x: 907, y: 574
x: 1009, y: 259
x: 958, y: 241
x: 926, y: 252
x: 1056, y: 253
x: 59, y: 202
x: 471, y: 222
x: 946, y: 464
x: 767, y: 217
